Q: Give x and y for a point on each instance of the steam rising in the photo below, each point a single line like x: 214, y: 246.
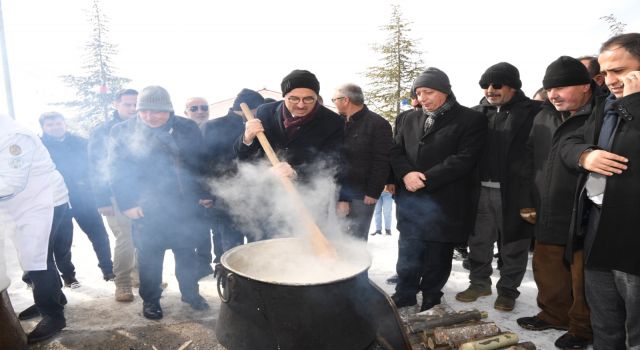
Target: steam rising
x: 262, y: 208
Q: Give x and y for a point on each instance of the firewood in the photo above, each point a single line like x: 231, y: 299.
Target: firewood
x: 454, y: 336
x: 491, y: 343
x: 418, y: 324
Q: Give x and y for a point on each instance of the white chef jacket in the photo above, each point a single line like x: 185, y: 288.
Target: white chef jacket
x: 30, y: 188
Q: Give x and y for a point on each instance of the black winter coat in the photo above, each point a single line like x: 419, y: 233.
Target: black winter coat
x: 72, y: 161
x: 159, y: 171
x: 447, y: 154
x: 553, y: 185
x: 98, y: 154
x: 318, y: 145
x: 367, y: 145
x: 519, y: 113
x: 616, y: 242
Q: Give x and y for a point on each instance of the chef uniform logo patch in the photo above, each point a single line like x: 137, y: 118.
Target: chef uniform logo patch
x: 15, y: 150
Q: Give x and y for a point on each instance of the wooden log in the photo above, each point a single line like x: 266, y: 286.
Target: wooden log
x: 491, y: 343
x: 454, y: 336
x: 449, y: 319
x: 11, y: 333
x: 522, y: 346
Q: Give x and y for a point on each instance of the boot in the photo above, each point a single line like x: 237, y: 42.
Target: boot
x: 472, y: 293
x: 504, y: 303
x: 387, y: 232
x: 403, y: 300
x: 124, y: 294
x: 46, y: 328
x: 152, y: 310
x: 29, y: 313
x: 377, y: 232
x: 197, y: 302
x: 570, y: 341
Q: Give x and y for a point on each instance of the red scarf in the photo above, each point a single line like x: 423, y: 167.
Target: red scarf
x: 293, y: 124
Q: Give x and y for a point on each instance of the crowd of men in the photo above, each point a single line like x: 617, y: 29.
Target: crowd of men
x: 511, y: 168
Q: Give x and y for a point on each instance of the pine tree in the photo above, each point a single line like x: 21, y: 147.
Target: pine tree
x: 391, y: 81
x: 96, y: 88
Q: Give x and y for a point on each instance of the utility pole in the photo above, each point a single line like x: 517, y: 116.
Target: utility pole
x: 5, y: 67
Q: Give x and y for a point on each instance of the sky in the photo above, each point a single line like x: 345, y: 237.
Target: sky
x: 215, y: 48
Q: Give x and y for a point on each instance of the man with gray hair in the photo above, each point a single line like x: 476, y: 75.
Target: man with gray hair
x: 366, y: 156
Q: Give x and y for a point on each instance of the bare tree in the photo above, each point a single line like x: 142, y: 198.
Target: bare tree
x: 615, y: 27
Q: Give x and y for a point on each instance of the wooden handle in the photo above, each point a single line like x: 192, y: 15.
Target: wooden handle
x: 320, y: 243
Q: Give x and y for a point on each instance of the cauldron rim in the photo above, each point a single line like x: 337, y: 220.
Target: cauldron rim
x: 226, y: 256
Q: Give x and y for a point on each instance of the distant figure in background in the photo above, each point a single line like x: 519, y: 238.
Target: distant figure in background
x: 367, y: 143
x: 220, y: 164
x: 155, y: 171
x: 124, y: 263
x: 70, y: 155
x: 383, y: 210
x: 197, y: 109
x: 593, y: 67
x: 540, y: 95
x: 34, y: 196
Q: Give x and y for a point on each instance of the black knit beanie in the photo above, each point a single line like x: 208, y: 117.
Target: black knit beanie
x: 250, y: 97
x: 565, y: 71
x: 502, y: 73
x: 432, y: 78
x: 300, y: 79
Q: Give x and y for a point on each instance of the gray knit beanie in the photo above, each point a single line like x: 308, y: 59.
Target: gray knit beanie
x: 432, y: 78
x: 154, y: 98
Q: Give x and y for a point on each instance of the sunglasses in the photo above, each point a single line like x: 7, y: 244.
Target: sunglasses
x: 495, y: 85
x: 203, y: 108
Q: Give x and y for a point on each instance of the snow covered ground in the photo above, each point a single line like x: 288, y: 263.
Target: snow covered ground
x: 92, y: 307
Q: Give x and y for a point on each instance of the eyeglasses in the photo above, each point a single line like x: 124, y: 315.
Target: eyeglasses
x: 306, y: 100
x: 495, y: 85
x: 203, y: 108
x: 336, y: 99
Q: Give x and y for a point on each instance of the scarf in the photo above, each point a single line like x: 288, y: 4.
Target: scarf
x: 432, y: 116
x: 292, y: 124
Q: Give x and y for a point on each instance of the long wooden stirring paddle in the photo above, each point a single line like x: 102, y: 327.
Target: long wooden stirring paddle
x: 320, y: 243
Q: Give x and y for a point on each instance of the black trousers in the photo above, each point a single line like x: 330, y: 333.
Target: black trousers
x: 86, y: 214
x: 423, y: 266
x: 62, y: 245
x: 47, y: 287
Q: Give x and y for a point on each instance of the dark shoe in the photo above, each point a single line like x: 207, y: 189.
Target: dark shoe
x: 29, y: 313
x: 71, y: 282
x: 472, y: 293
x: 376, y: 233
x: 428, y: 303
x: 108, y: 276
x: 46, y: 328
x: 504, y: 303
x: 537, y: 324
x: 196, y: 303
x: 402, y: 301
x: 570, y: 341
x: 393, y: 279
x: 387, y: 232
x: 152, y: 310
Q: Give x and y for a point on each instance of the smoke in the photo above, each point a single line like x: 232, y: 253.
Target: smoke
x: 261, y: 207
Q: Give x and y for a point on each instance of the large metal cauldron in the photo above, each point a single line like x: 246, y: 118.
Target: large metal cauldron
x: 274, y: 310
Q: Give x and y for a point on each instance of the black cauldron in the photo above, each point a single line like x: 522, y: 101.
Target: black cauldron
x: 275, y: 310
